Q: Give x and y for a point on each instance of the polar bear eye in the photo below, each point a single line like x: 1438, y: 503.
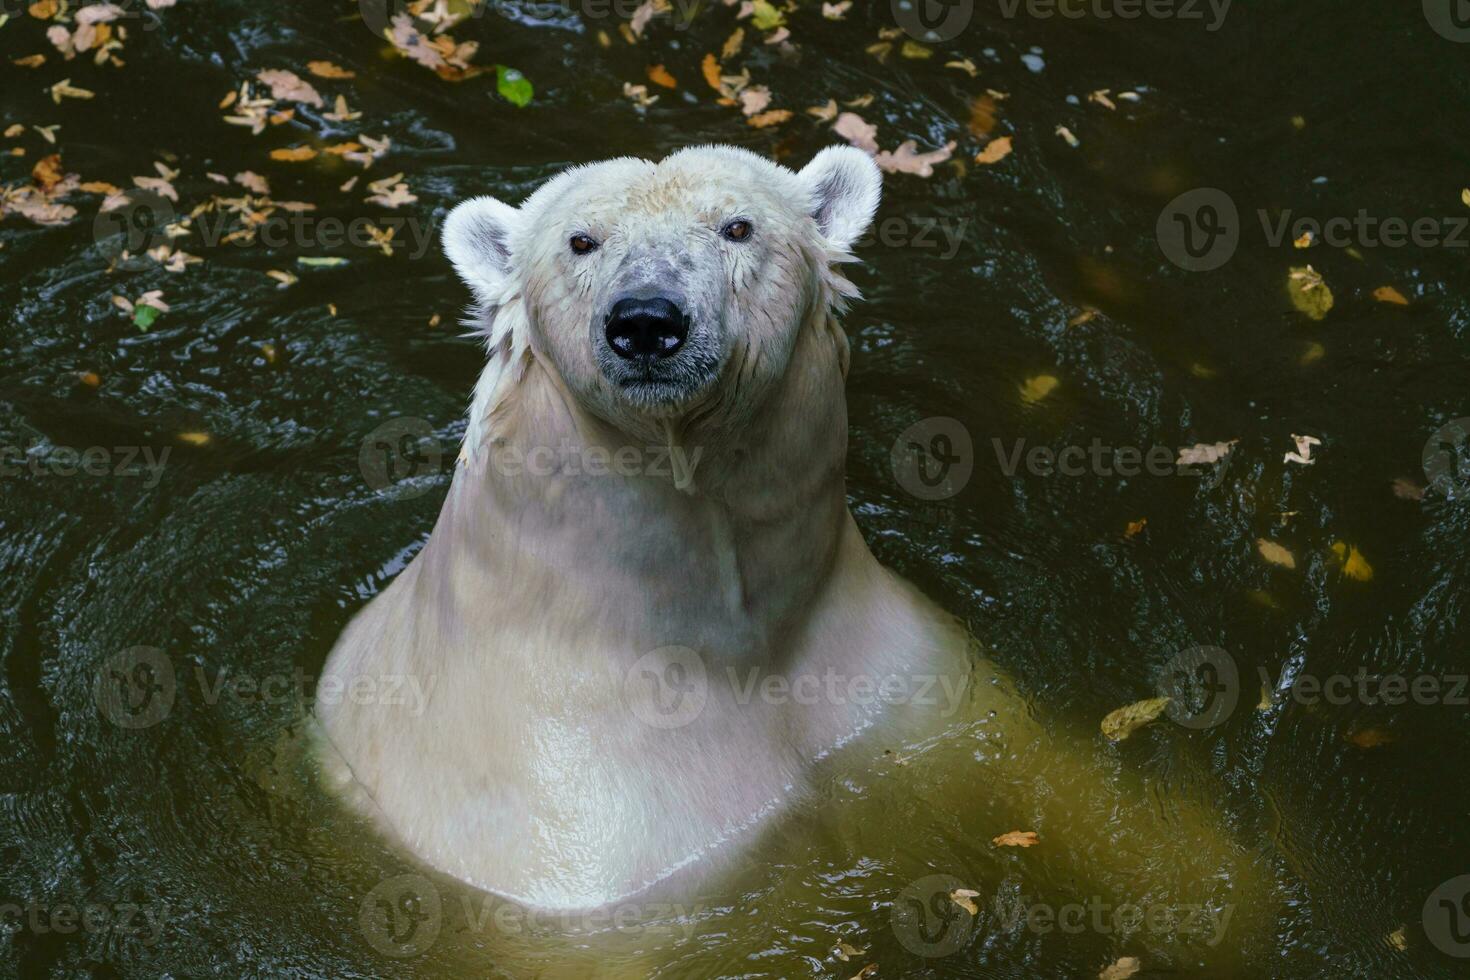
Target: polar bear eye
x: 737, y: 230
x: 581, y: 244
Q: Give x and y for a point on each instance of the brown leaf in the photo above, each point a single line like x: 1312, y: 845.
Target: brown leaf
x: 659, y: 75
x: 770, y: 118
x: 1136, y: 527
x: 30, y: 61
x: 1387, y: 294
x: 1204, y: 453
x: 1016, y: 838
x: 982, y: 115
x: 325, y: 69
x: 47, y: 172
x: 710, y: 68
x: 294, y: 154
x: 964, y: 898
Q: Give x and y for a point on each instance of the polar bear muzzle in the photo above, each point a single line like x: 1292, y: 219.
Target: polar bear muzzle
x: 646, y: 330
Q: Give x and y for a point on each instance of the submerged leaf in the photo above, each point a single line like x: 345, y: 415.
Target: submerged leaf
x: 1119, y: 724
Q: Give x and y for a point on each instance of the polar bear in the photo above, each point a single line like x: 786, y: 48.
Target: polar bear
x: 645, y: 610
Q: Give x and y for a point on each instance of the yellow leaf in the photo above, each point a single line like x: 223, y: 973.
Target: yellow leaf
x: 913, y: 49
x: 1354, y: 565
x: 44, y: 9
x: 732, y: 44
x: 1370, y: 738
x: 1016, y: 838
x: 982, y: 115
x: 1123, y: 722
x: 1135, y: 527
x: 1037, y: 388
x: 1275, y: 553
x: 995, y: 151
x: 1308, y: 292
x: 30, y: 61
x: 194, y: 438
x: 659, y: 75
x: 1387, y: 294
x: 1305, y: 241
x: 1465, y: 196
x: 295, y: 154
x: 1121, y: 969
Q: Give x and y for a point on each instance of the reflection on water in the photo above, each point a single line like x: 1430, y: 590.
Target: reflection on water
x: 192, y: 512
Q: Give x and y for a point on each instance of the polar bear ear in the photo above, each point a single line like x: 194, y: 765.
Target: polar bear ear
x: 477, y: 240
x: 844, y: 184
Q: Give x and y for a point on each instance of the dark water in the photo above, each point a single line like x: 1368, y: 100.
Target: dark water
x: 200, y: 837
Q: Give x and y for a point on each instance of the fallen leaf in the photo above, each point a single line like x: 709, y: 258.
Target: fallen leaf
x: 914, y: 50
x: 30, y: 61
x: 996, y: 150
x: 770, y: 118
x: 824, y: 113
x: 836, y: 11
x: 732, y: 44
x: 1121, y: 969
x: 1100, y: 97
x: 1123, y: 722
x: 754, y: 99
x: 765, y: 17
x: 1387, y: 294
x: 64, y: 89
x: 44, y: 9
x: 1354, y: 565
x: 710, y: 68
x: 47, y: 172
x: 194, y: 438
x: 289, y: 87
x: 964, y: 898
x: 1370, y: 738
x: 1204, y: 453
x: 907, y: 159
x: 157, y: 185
x: 1308, y: 292
x: 1398, y: 939
x: 865, y: 972
x: 1312, y: 354
x: 967, y: 66
x: 1016, y: 838
x: 846, y: 951
x: 1275, y: 553
x: 513, y: 86
x: 659, y: 75
x: 90, y: 378
x: 1035, y: 389
x: 857, y: 131
x: 281, y: 276
x: 1303, y: 452
x: 1407, y: 489
x: 982, y: 115
x: 1066, y: 134
x: 1135, y: 527
x: 295, y: 154
x: 325, y: 69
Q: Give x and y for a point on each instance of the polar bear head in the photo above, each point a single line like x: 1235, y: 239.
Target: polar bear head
x: 662, y: 290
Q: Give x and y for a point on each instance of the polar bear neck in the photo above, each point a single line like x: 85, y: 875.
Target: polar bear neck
x: 700, y: 537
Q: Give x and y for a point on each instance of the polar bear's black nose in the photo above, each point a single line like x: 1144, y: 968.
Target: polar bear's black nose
x: 646, y: 328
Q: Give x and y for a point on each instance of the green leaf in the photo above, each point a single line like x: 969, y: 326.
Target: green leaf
x: 144, y: 317
x: 513, y: 85
x: 766, y: 17
x: 321, y: 262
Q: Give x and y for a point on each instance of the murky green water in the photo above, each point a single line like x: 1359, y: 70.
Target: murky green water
x: 1316, y: 832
